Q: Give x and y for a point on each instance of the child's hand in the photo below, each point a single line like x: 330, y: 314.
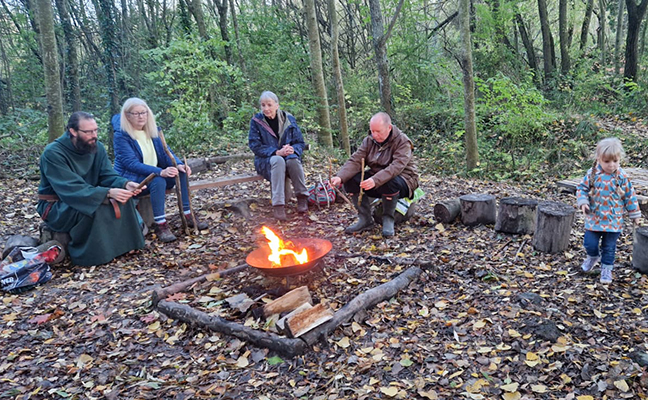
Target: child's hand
x: 585, y: 209
x: 636, y: 221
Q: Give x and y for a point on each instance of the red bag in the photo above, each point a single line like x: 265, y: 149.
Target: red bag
x: 321, y: 194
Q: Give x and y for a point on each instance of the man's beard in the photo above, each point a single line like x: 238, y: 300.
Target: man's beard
x: 85, y: 147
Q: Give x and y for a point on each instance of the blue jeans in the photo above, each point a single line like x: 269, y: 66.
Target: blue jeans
x: 157, y: 189
x: 608, y: 245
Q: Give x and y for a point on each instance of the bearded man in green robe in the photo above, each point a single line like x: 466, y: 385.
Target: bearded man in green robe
x: 80, y: 193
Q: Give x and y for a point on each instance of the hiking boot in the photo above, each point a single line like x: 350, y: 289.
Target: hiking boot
x: 163, y: 233
x: 364, y: 214
x: 589, y: 263
x: 279, y: 212
x: 302, y: 204
x: 389, y: 207
x: 606, y: 274
x: 202, y: 225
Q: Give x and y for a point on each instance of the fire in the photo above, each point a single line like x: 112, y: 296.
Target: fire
x: 278, y: 249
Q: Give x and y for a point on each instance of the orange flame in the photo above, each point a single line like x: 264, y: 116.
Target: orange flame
x: 278, y: 249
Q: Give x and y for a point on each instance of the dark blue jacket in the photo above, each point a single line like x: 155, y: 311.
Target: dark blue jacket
x: 264, y: 143
x: 129, y: 158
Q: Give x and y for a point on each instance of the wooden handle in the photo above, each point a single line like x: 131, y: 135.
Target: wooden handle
x: 145, y: 181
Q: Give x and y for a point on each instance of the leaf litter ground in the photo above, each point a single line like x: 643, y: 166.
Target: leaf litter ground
x: 493, y: 320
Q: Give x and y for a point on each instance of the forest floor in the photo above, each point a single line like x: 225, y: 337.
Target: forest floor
x: 468, y: 328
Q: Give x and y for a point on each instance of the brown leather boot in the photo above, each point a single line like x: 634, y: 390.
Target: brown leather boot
x: 163, y: 233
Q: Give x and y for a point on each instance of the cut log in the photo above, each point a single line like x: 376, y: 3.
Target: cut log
x: 198, y: 165
x: 288, y: 301
x: 281, y: 323
x: 233, y: 157
x: 553, y: 226
x: 446, y: 211
x: 362, y: 302
x: 478, y: 209
x: 224, y: 181
x: 640, y: 249
x: 306, y: 320
x: 517, y: 215
x: 184, y: 313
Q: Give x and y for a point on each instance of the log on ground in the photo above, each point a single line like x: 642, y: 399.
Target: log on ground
x: 478, y: 209
x: 553, y: 226
x: 362, y: 302
x: 185, y: 313
x: 447, y: 210
x: 288, y: 301
x: 640, y: 249
x: 517, y: 215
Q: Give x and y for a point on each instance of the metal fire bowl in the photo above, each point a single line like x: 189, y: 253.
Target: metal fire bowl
x: 316, y: 248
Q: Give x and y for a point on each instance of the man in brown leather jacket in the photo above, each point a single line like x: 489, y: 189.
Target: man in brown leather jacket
x: 390, y: 173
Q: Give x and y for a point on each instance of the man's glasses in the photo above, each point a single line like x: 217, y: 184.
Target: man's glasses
x: 88, y: 132
x: 138, y: 114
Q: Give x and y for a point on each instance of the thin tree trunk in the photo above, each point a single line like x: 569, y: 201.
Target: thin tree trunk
x: 51, y: 69
x: 195, y: 7
x: 237, y: 35
x: 636, y: 13
x: 221, y: 6
x: 472, y: 154
x: 6, y: 98
x: 619, y: 36
x: 589, y: 8
x: 564, y: 38
x: 601, y: 33
x: 547, y: 48
x: 380, y: 38
x: 324, y: 135
x: 73, y: 88
x: 337, y: 74
x: 528, y: 46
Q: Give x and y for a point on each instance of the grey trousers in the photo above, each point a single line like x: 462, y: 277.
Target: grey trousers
x: 278, y: 179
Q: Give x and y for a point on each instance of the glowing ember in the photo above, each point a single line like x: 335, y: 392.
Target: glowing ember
x: 279, y: 249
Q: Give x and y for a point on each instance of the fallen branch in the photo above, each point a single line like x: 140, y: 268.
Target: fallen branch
x: 184, y: 313
x: 160, y: 293
x: 362, y: 302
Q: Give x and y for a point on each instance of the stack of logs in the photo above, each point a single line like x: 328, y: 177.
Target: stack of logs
x: 549, y: 222
x: 302, y: 314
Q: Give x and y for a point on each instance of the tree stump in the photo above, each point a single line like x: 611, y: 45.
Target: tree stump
x: 446, y: 211
x: 553, y: 226
x: 516, y: 215
x: 640, y: 249
x: 477, y: 209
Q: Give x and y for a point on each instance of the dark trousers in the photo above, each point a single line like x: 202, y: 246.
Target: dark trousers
x: 390, y: 188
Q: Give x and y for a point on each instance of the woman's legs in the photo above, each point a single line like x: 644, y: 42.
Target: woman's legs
x: 278, y: 180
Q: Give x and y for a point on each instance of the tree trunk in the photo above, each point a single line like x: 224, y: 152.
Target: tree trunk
x: 564, y: 38
x: 472, y: 154
x: 553, y: 226
x: 589, y: 8
x: 55, y: 122
x: 547, y: 41
x: 636, y: 14
x: 73, y: 88
x: 601, y: 32
x: 619, y: 35
x: 221, y: 5
x: 324, y: 135
x: 339, y: 84
x: 528, y: 46
x: 195, y: 7
x: 380, y: 38
x: 237, y: 36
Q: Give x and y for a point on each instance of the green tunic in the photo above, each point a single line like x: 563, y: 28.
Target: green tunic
x: 81, y: 181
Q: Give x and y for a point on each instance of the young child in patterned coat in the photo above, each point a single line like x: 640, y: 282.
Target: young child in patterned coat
x: 603, y: 194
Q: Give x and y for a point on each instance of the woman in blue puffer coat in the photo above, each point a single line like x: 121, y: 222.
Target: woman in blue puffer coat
x: 278, y: 144
x: 139, y: 152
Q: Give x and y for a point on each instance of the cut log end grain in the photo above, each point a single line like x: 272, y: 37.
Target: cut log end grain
x: 288, y: 301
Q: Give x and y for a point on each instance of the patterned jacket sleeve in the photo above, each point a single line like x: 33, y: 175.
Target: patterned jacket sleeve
x: 582, y: 190
x: 630, y: 202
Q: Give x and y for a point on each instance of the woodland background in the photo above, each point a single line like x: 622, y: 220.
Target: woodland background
x: 545, y: 73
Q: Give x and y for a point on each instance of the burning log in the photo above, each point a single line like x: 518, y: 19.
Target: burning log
x: 288, y: 301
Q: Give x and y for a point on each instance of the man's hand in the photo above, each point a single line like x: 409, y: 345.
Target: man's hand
x: 133, y: 187
x: 169, y: 172
x: 186, y: 169
x: 636, y: 221
x: 368, y: 184
x: 121, y: 195
x: 585, y: 209
x: 336, y: 181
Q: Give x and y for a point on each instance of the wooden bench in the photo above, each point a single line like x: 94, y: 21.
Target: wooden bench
x: 638, y: 177
x: 144, y: 203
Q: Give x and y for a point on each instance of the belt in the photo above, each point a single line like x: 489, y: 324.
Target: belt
x: 52, y: 198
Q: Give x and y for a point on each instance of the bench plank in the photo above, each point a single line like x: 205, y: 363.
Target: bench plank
x: 232, y: 180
